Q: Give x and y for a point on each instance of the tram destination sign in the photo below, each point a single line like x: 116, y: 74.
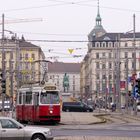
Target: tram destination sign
x: 50, y: 87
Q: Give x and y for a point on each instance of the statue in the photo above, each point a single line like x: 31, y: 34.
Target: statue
x: 66, y: 82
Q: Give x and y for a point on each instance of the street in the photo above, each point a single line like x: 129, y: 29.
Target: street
x: 90, y: 126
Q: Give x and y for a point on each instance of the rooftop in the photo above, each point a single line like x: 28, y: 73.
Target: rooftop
x: 61, y: 67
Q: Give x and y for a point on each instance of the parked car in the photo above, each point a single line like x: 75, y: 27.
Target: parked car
x: 6, y: 105
x: 76, y: 107
x: 138, y: 106
x: 91, y: 103
x: 10, y: 129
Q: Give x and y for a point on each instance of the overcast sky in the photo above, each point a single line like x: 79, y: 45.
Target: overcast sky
x: 68, y: 20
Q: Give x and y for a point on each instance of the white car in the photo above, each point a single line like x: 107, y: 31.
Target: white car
x: 10, y: 129
x: 138, y: 107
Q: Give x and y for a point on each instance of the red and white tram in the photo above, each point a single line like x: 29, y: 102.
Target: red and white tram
x: 38, y: 104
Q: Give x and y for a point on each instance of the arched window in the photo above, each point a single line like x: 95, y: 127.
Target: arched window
x: 103, y: 44
x: 97, y: 44
x: 109, y: 44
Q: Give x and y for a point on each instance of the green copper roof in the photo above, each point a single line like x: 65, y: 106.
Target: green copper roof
x: 98, y: 18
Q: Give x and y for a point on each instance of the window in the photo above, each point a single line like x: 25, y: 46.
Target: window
x: 110, y: 55
x: 33, y: 56
x: 98, y: 87
x: 125, y: 54
x: 133, y: 65
x: 125, y: 65
x: 103, y: 44
x: 97, y: 55
x: 97, y: 44
x: 125, y: 44
x: 110, y: 87
x: 28, y: 98
x: 73, y: 81
x: 26, y: 56
x: 110, y: 76
x: 110, y: 44
x: 110, y: 65
x: 97, y: 76
x: 103, y: 54
x: 20, y: 98
x: 58, y: 82
x: 115, y: 44
x: 49, y: 97
x: 97, y: 65
x: 103, y: 76
x: 5, y: 123
x: 115, y: 55
x: 20, y: 56
x: 103, y: 66
x: 73, y: 87
x: 11, y: 55
x: 104, y: 87
x: 27, y: 66
x: 133, y: 55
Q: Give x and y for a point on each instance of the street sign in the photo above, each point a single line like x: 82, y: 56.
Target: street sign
x: 70, y: 51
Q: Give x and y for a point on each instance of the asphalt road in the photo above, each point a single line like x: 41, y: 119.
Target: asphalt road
x: 95, y: 132
x: 118, y: 126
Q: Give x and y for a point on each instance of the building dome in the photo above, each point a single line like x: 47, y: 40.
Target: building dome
x: 98, y: 30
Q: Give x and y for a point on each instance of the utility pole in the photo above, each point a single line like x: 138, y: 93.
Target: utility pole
x: 114, y: 75
x: 118, y: 75
x: 18, y: 76
x: 3, y: 64
x: 105, y: 89
x: 126, y: 96
x: 134, y: 61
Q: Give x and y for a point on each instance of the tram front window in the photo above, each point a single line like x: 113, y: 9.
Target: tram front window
x: 49, y: 98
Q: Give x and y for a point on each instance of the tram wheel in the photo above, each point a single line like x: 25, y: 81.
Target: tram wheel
x: 38, y: 137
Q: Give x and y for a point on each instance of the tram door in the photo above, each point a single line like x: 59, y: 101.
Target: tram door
x: 36, y: 106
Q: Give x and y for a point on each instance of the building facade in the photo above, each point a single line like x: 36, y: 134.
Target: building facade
x: 18, y: 63
x: 57, y: 72
x: 112, y: 59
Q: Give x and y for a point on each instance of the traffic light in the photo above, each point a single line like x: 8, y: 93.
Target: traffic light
x: 137, y: 88
x: 3, y: 86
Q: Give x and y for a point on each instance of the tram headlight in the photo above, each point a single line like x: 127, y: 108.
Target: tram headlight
x: 51, y: 111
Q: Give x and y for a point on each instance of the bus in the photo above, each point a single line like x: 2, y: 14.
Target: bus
x: 38, y: 104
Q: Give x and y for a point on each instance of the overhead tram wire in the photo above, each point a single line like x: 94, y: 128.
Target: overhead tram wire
x: 49, y: 34
x: 83, y: 1
x: 30, y: 8
x: 78, y: 41
x: 74, y: 3
x: 39, y: 40
x: 42, y: 6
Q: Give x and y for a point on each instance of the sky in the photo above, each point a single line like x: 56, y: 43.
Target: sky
x: 66, y: 20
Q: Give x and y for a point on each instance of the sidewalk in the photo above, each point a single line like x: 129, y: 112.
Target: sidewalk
x: 85, y: 118
x: 79, y: 118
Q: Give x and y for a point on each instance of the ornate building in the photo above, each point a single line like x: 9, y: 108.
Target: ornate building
x: 19, y: 59
x: 109, y: 63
